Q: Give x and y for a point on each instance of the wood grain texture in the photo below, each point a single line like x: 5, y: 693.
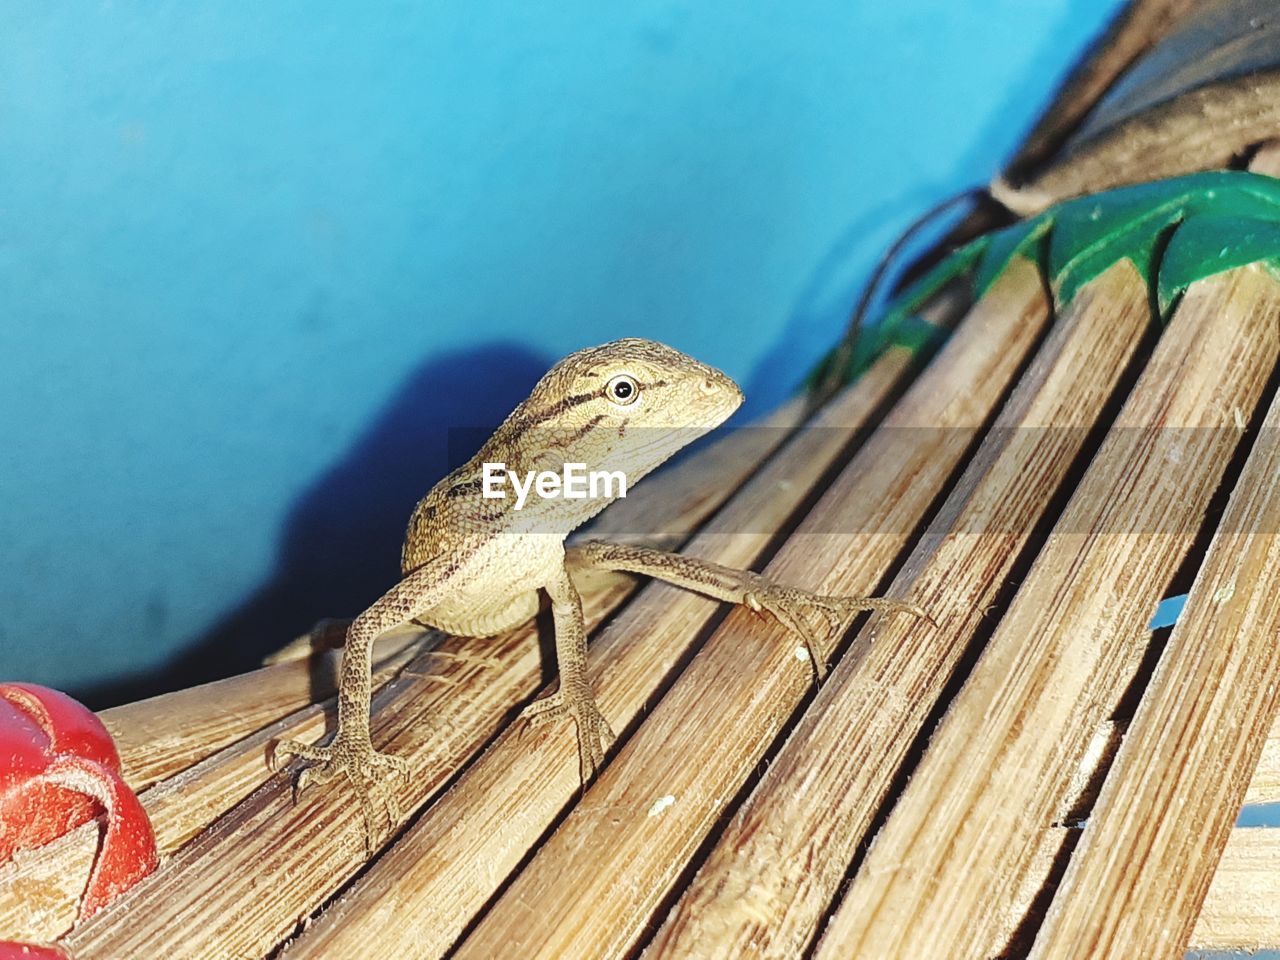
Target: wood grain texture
x: 1203, y: 129
x: 1143, y: 866
x: 437, y: 712
x: 1240, y: 912
x: 969, y: 840
x: 952, y: 870
x: 1264, y: 787
x: 1141, y: 25
x: 417, y: 899
x: 40, y: 889
x: 766, y: 885
x: 595, y: 883
x: 152, y: 746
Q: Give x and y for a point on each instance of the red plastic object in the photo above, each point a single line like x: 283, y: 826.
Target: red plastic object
x: 10, y: 950
x: 59, y: 769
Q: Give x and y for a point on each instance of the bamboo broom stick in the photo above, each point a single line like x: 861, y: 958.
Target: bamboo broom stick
x: 40, y: 889
x: 417, y: 899
x: 1239, y: 912
x: 766, y: 885
x: 1136, y: 881
x: 1141, y: 25
x: 1265, y: 785
x: 154, y: 744
x: 970, y: 839
x: 593, y: 886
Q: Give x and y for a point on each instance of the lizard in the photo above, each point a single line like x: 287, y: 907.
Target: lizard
x: 473, y: 565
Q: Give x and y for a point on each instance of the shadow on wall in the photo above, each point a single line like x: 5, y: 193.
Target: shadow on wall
x: 340, y: 547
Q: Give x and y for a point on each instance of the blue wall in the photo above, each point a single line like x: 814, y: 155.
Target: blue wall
x: 256, y: 258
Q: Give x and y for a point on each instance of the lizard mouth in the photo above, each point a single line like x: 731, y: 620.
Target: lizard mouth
x: 719, y: 386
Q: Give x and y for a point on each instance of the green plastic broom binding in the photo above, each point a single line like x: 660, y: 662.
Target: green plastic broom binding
x: 1175, y: 232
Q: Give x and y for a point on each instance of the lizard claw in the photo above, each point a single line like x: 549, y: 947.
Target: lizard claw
x: 364, y: 767
x: 594, y: 733
x: 792, y: 606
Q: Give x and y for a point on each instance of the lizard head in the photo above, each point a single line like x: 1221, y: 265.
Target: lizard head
x: 626, y: 405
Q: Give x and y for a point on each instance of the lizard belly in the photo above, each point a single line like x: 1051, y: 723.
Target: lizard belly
x: 484, y: 619
x: 497, y: 587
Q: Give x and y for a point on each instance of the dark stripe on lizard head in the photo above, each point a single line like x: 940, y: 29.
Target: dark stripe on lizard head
x: 464, y: 488
x: 557, y: 408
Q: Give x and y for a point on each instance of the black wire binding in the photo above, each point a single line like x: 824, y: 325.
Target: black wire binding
x: 831, y: 380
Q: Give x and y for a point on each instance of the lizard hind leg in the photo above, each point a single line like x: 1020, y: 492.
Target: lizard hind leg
x: 791, y: 606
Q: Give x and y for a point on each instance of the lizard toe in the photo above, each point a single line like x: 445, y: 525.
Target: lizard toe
x: 594, y: 734
x: 544, y: 710
x: 315, y: 775
x: 284, y: 750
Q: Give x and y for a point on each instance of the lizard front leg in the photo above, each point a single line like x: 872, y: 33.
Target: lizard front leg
x: 351, y: 751
x: 573, y: 698
x: 791, y: 606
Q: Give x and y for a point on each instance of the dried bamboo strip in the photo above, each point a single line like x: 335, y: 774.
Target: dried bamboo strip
x: 593, y: 886
x: 40, y: 889
x: 766, y: 885
x: 153, y: 745
x: 206, y: 900
x: 442, y: 708
x: 417, y: 899
x: 1265, y: 785
x: 1239, y: 912
x: 1143, y: 866
x: 1141, y: 25
x: 964, y: 846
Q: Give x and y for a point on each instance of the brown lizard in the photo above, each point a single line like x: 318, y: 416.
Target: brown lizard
x: 473, y: 565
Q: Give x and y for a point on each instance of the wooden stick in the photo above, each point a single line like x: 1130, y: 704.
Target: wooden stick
x: 444, y: 870
x: 1136, y: 882
x: 766, y: 885
x: 592, y: 887
x: 441, y: 709
x: 971, y: 838
x: 1265, y: 785
x: 153, y: 746
x: 1141, y: 25
x: 40, y: 889
x: 1239, y: 912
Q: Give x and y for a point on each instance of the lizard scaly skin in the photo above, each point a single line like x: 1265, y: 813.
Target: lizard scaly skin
x: 472, y: 565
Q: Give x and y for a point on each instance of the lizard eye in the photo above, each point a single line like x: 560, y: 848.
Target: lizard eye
x: 622, y: 390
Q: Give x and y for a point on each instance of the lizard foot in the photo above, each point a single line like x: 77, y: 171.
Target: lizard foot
x: 594, y: 732
x: 365, y: 768
x: 792, y: 607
